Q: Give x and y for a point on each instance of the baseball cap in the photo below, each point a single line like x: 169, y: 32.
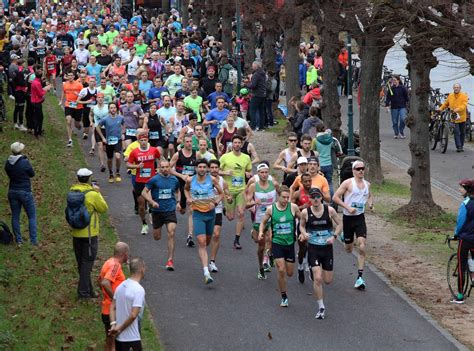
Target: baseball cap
x: 357, y: 163
x: 14, y: 57
x: 314, y: 192
x: 301, y: 160
x: 17, y: 147
x: 84, y: 172
x: 313, y: 159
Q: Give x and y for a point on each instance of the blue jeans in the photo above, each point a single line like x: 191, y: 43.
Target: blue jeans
x: 257, y: 112
x: 327, y: 171
x: 269, y: 111
x: 19, y: 199
x: 459, y: 134
x: 398, y: 120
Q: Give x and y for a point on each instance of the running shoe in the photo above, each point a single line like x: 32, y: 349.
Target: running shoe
x: 169, y: 265
x: 144, y: 229
x: 320, y: 314
x: 213, y: 267
x: 102, y: 169
x: 237, y: 245
x: 284, y: 302
x: 85, y: 136
x: 266, y: 267
x: 208, y: 279
x: 23, y: 128
x: 301, y: 275
x: 189, y: 241
x: 457, y: 301
x: 69, y: 143
x: 111, y: 178
x: 359, y: 284
x: 17, y: 126
x: 118, y: 179
x: 261, y: 274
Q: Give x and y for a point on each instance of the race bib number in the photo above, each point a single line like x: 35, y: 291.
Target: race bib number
x: 188, y: 170
x: 320, y: 237
x: 263, y: 209
x: 283, y: 228
x: 154, y: 135
x: 112, y: 140
x: 130, y: 132
x: 73, y: 104
x: 145, y: 172
x: 164, y: 194
x: 237, y: 181
x: 360, y: 206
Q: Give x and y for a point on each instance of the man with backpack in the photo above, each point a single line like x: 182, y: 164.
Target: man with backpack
x: 84, y: 203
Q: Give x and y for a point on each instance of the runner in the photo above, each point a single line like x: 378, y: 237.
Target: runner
x: 114, y: 128
x: 184, y: 162
x: 317, y: 180
x: 282, y: 215
x: 200, y: 195
x: 162, y: 193
x: 215, y: 118
x: 133, y: 172
x: 356, y: 194
x: 301, y: 198
x: 286, y: 156
x: 97, y: 113
x: 88, y: 98
x: 132, y: 114
x: 203, y: 151
x: 261, y: 194
x: 316, y: 227
x: 166, y: 112
x: 305, y: 150
x: 234, y: 166
x: 72, y: 109
x: 214, y: 167
x: 50, y: 62
x: 152, y: 123
x: 143, y: 160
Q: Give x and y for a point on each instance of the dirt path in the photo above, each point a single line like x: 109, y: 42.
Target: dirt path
x: 407, y: 264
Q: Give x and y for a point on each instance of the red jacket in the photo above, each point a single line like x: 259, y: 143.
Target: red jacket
x: 37, y: 91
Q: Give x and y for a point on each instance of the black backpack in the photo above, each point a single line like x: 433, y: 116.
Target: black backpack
x: 6, y: 236
x: 76, y: 211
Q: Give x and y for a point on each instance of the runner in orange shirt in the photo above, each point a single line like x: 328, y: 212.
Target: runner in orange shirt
x: 72, y: 109
x: 110, y: 277
x: 317, y: 180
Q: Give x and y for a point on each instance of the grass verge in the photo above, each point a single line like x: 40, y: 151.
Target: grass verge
x: 38, y: 305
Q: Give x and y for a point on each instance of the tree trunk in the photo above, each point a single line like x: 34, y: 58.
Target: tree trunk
x: 292, y: 29
x: 184, y: 12
x: 165, y: 6
x: 196, y: 14
x: 372, y: 55
x: 330, y: 107
x: 227, y: 15
x: 212, y: 16
x: 420, y: 61
x: 270, y: 30
x: 248, y: 39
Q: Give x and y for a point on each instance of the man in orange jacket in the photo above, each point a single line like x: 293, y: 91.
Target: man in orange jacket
x: 457, y: 102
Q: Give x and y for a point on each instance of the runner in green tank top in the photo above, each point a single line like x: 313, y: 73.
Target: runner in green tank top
x: 260, y: 196
x: 282, y: 215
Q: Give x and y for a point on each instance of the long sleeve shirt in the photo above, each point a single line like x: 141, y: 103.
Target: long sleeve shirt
x: 37, y: 91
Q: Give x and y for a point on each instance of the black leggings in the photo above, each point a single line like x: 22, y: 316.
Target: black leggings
x: 37, y: 118
x: 463, y: 254
x: 20, y: 98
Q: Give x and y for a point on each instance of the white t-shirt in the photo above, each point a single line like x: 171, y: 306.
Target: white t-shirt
x: 129, y: 294
x: 133, y: 66
x: 124, y: 55
x: 239, y: 123
x: 82, y: 56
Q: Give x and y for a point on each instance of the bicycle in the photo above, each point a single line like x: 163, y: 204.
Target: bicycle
x: 385, y: 85
x: 440, y: 129
x: 452, y: 273
x: 469, y: 126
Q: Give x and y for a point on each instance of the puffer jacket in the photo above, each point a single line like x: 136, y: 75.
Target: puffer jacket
x: 465, y: 221
x: 95, y: 204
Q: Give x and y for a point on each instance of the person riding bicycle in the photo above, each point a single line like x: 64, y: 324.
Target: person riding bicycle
x: 457, y: 102
x: 464, y: 232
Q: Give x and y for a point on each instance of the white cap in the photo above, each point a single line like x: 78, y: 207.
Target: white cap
x: 262, y: 166
x: 301, y: 160
x: 84, y: 172
x: 17, y: 147
x: 146, y: 62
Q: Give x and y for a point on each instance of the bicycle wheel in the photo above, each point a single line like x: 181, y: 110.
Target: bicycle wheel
x: 453, y: 274
x: 444, y: 137
x: 434, y: 133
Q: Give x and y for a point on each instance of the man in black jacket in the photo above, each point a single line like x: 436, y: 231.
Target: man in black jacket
x: 257, y: 86
x: 397, y: 99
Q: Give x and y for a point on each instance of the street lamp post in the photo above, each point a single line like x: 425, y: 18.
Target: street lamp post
x: 238, y: 44
x: 350, y: 112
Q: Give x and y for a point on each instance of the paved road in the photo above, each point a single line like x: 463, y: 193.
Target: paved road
x: 446, y: 169
x: 240, y: 312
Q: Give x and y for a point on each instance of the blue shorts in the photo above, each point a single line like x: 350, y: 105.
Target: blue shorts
x: 203, y: 222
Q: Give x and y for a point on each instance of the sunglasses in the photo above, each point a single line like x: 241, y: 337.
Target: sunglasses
x: 359, y: 169
x: 317, y: 196
x: 292, y: 140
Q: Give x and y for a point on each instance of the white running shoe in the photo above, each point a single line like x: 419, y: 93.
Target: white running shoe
x: 213, y: 267
x: 23, y: 128
x: 17, y: 126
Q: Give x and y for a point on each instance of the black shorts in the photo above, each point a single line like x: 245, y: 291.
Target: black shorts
x: 110, y: 150
x: 138, y: 188
x: 85, y: 117
x: 130, y: 137
x: 284, y: 251
x: 98, y: 139
x: 74, y: 113
x: 162, y: 218
x: 218, y: 220
x: 155, y: 142
x: 128, y: 345
x: 353, y: 225
x: 106, y: 321
x: 320, y: 256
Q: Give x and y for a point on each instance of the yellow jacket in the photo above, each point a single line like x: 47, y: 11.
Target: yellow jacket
x: 457, y: 103
x: 95, y: 204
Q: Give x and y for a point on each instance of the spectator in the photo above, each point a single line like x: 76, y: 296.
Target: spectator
x: 323, y: 145
x: 310, y: 124
x: 257, y: 101
x: 85, y: 241
x: 19, y: 170
x: 127, y: 305
x: 298, y: 119
x: 397, y: 99
x: 37, y: 98
x: 110, y: 277
x: 271, y: 86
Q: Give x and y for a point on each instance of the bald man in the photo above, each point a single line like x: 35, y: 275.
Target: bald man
x: 110, y: 277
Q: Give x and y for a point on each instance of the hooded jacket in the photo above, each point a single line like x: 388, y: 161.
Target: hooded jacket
x: 95, y: 204
x: 324, y: 147
x: 258, y: 83
x: 19, y: 170
x: 465, y: 222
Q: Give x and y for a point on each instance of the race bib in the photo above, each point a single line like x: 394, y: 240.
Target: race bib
x: 112, y: 140
x: 360, y: 206
x: 73, y: 104
x: 283, y: 228
x: 154, y: 135
x: 320, y: 237
x: 164, y: 194
x: 188, y: 170
x: 145, y: 172
x: 130, y: 132
x: 263, y: 209
x: 237, y: 181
